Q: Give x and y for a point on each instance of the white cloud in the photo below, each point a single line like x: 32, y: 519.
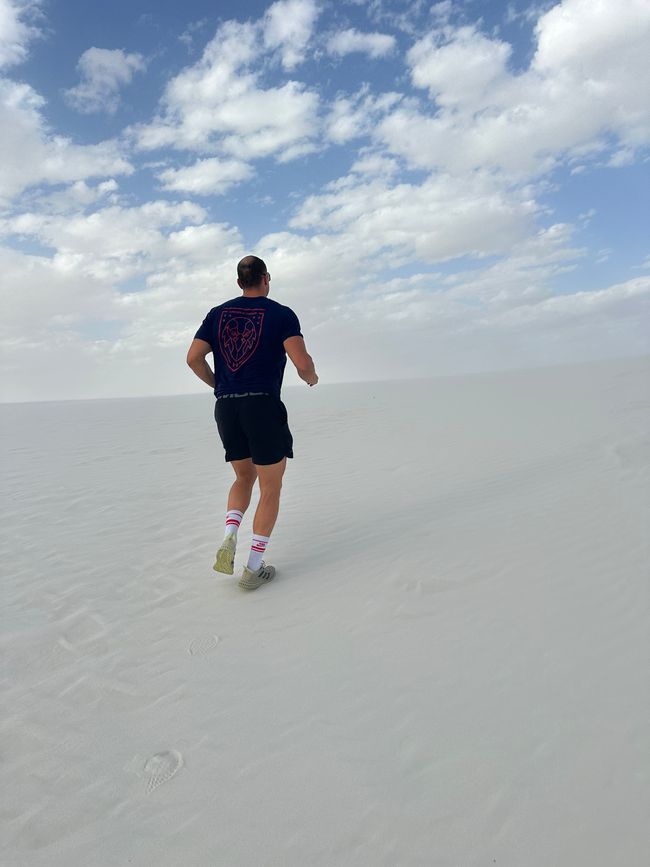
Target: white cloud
x: 78, y: 195
x: 206, y: 177
x: 217, y: 106
x: 113, y: 243
x: 501, y: 315
x: 631, y: 298
x: 103, y: 73
x: 30, y: 154
x: 188, y: 36
x: 71, y: 295
x: 529, y: 13
x: 503, y: 312
x: 15, y: 32
x: 205, y: 242
x: 442, y: 218
x: 288, y: 25
x: 370, y: 163
x: 408, y: 273
x: 101, y: 340
x: 523, y: 277
x: 349, y: 41
x: 461, y: 71
x: 622, y: 157
x: 442, y: 11
x: 388, y: 13
x: 354, y: 116
x: 588, y: 81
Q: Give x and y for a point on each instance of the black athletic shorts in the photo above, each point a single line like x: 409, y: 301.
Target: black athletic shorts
x: 254, y: 427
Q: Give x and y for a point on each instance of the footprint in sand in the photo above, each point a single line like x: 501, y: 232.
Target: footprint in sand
x: 162, y: 767
x: 204, y: 644
x: 82, y: 629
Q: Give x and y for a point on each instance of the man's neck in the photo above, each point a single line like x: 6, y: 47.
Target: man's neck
x: 249, y: 294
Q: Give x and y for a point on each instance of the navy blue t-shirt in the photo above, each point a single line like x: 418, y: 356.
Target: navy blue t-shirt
x: 247, y: 336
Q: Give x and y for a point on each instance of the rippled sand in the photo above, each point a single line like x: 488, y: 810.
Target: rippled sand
x: 449, y: 670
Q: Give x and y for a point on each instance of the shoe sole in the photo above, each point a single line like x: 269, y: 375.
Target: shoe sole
x: 225, y: 561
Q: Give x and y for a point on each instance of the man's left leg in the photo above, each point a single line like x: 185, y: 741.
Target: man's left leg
x: 238, y: 501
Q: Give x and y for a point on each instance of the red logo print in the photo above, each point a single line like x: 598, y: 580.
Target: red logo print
x: 239, y: 334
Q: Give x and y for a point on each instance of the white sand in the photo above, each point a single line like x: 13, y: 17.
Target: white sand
x: 450, y: 668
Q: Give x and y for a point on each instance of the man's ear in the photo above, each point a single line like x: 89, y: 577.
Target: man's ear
x: 239, y: 283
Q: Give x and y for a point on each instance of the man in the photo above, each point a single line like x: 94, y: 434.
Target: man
x: 250, y: 337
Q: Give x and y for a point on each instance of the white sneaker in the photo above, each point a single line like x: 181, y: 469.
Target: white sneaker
x: 252, y: 580
x: 226, y: 556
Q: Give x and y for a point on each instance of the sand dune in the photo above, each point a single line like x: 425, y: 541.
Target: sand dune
x: 450, y: 668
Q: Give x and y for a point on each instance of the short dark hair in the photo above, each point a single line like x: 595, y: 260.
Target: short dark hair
x: 250, y: 271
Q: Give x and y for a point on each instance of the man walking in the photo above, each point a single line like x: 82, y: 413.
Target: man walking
x: 250, y: 337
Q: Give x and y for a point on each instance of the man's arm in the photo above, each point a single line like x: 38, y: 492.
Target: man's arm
x: 196, y: 360
x: 297, y: 352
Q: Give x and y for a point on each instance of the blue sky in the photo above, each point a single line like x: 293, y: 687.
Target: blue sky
x: 436, y: 187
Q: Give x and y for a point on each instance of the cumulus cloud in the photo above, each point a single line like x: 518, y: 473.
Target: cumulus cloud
x: 588, y: 81
x: 631, y: 298
x: 71, y: 296
x: 462, y: 71
x: 288, y: 26
x: 113, y: 243
x: 501, y: 314
x: 450, y: 266
x: 353, y: 116
x: 218, y: 106
x: 206, y: 177
x: 78, y: 195
x: 370, y: 163
x: 442, y: 218
x: 351, y: 40
x: 16, y: 29
x: 523, y: 277
x: 126, y: 289
x: 103, y: 73
x: 442, y: 10
x: 31, y: 154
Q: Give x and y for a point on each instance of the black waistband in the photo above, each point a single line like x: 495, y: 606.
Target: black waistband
x: 245, y: 394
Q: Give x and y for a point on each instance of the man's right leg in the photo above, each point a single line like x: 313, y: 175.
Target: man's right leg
x: 269, y: 477
x: 270, y: 480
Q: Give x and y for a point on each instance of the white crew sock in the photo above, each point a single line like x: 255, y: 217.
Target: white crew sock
x: 258, y: 547
x: 233, y: 520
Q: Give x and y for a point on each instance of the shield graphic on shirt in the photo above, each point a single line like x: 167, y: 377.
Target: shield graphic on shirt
x: 239, y: 334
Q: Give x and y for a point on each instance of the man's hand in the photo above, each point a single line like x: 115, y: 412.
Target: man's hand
x: 196, y: 360
x: 297, y: 352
